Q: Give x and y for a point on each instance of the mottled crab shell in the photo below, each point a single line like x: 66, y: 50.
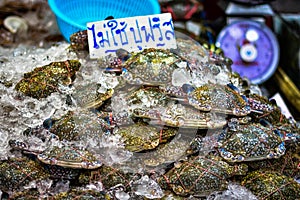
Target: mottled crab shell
x: 288, y: 164
x: 218, y: 98
x: 179, y: 115
x: 79, y: 125
x: 79, y: 41
x: 43, y: 81
x: 250, y: 142
x: 151, y: 67
x: 81, y: 194
x: 269, y: 185
x: 30, y: 193
x: 198, y: 176
x: 141, y: 136
x: 167, y: 153
x: 153, y: 104
x: 69, y: 157
x: 109, y: 177
x: 264, y: 108
x: 18, y: 172
x: 150, y: 98
x: 88, y: 96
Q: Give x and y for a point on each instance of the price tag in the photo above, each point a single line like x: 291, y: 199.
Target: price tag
x: 132, y: 34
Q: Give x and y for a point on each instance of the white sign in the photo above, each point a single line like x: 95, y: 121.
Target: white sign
x: 280, y: 102
x: 132, y: 34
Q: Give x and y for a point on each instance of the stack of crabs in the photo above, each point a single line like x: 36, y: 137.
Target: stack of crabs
x: 181, y: 115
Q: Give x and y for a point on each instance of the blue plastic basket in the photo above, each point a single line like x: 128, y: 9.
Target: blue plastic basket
x: 72, y: 15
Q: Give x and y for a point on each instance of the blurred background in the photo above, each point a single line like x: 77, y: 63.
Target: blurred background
x: 269, y: 53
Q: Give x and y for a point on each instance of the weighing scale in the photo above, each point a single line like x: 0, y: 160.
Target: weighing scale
x: 249, y: 41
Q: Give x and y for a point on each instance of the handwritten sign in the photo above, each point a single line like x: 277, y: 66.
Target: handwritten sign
x: 132, y: 34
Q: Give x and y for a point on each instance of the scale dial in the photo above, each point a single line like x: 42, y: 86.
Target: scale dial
x: 252, y: 47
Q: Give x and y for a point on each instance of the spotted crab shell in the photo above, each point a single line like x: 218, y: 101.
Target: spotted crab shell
x: 70, y: 157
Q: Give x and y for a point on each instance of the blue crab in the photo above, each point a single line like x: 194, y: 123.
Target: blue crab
x: 94, y: 99
x: 31, y: 193
x: 82, y: 194
x: 151, y: 66
x: 151, y: 103
x: 79, y: 41
x: 288, y: 164
x: 79, y: 125
x: 210, y: 98
x: 109, y: 176
x: 248, y: 142
x: 43, y: 81
x: 199, y: 176
x: 15, y: 173
x: 265, y: 109
x: 142, y: 136
x: 179, y: 115
x: 168, y: 153
x: 63, y: 161
x: 271, y: 185
x: 218, y: 98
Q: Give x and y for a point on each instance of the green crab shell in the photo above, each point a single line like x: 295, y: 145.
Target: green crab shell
x: 250, y: 142
x: 94, y: 99
x: 43, y: 81
x: 79, y: 125
x: 151, y: 67
x: 18, y: 172
x: 263, y: 107
x: 167, y: 153
x: 199, y: 176
x: 108, y: 176
x: 69, y: 157
x: 141, y: 136
x: 150, y: 97
x: 179, y: 115
x: 288, y: 164
x: 218, y: 98
x: 81, y: 194
x: 271, y: 185
x: 31, y: 193
x: 79, y: 41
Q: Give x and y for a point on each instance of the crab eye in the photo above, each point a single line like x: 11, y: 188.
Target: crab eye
x: 187, y: 88
x: 123, y: 54
x: 48, y: 123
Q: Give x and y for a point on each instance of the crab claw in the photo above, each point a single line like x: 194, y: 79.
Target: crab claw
x: 265, y: 123
x: 230, y: 157
x: 116, y: 70
x: 15, y: 144
x: 233, y: 87
x: 48, y: 123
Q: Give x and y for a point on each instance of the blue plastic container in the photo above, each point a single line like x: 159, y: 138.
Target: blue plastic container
x: 72, y: 15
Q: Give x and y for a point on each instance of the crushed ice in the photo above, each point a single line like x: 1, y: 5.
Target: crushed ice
x: 234, y: 192
x: 20, y: 112
x: 147, y: 187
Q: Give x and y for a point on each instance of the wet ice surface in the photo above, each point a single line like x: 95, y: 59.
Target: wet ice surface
x: 148, y: 188
x: 234, y: 192
x: 18, y: 112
